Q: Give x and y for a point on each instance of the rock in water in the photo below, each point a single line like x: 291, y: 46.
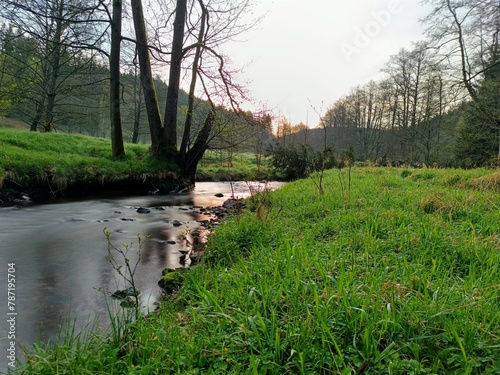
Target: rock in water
x: 171, y: 280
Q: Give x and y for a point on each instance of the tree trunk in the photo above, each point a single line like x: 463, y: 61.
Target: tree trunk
x: 54, y: 61
x: 150, y: 98
x: 114, y: 69
x: 38, y: 116
x: 170, y: 126
x: 194, y: 75
x: 195, y: 154
x: 137, y: 110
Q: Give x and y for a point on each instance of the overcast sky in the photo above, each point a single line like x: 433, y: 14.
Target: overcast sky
x: 306, y: 54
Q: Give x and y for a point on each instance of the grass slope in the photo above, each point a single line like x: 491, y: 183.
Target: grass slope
x: 396, y: 275
x: 31, y: 158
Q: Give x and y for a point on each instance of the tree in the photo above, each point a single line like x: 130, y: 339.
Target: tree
x: 60, y: 30
x: 114, y: 73
x: 137, y: 110
x: 405, y: 70
x: 478, y: 141
x: 147, y: 82
x: 170, y: 127
x: 466, y: 33
x: 284, y: 130
x: 196, y: 34
x: 263, y: 136
x: 14, y: 82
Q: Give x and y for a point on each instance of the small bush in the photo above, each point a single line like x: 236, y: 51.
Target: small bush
x: 295, y: 162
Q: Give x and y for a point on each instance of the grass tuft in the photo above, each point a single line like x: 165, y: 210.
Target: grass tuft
x: 489, y: 182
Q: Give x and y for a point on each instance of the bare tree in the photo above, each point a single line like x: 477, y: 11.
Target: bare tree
x: 170, y: 122
x: 262, y: 136
x: 405, y: 70
x: 147, y: 83
x: 61, y: 29
x: 192, y: 87
x: 114, y: 73
x: 199, y: 28
x: 466, y: 34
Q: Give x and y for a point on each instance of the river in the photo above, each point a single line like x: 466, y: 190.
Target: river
x: 57, y: 256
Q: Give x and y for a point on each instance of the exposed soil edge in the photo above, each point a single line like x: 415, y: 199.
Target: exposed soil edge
x: 36, y: 190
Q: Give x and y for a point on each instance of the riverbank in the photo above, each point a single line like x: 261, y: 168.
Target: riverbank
x: 392, y: 271
x: 39, y: 167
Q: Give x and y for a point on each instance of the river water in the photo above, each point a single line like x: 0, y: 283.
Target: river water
x: 58, y: 255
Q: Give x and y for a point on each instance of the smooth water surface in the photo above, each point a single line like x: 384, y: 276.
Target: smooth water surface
x: 60, y: 254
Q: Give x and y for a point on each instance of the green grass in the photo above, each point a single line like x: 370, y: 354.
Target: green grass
x: 223, y: 165
x: 27, y: 158
x: 398, y: 275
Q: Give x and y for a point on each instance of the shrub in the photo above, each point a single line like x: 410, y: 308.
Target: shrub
x: 295, y: 162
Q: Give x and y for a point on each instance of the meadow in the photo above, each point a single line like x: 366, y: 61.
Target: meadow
x: 388, y: 271
x: 28, y: 159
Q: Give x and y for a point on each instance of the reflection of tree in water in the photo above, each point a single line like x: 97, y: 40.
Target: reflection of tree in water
x: 155, y: 246
x: 49, y: 297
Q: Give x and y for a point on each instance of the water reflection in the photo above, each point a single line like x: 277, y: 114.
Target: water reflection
x: 60, y: 253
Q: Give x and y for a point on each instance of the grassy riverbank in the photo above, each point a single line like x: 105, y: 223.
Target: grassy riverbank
x: 396, y: 274
x: 28, y: 155
x: 57, y: 162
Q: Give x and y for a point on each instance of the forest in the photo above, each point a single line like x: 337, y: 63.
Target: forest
x: 69, y: 66
x: 435, y: 103
x: 99, y: 68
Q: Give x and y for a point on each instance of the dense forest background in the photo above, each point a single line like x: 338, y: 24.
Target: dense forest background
x: 82, y: 98
x: 432, y: 105
x: 416, y: 113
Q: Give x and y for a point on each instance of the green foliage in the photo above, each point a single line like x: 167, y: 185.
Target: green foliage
x: 401, y: 277
x: 295, y: 162
x: 479, y: 139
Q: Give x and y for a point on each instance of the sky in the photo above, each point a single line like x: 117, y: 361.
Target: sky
x: 305, y: 54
